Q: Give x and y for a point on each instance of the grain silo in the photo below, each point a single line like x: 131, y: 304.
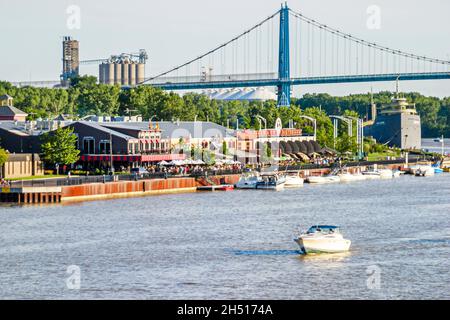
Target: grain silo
x: 127, y: 69
x: 108, y: 73
x: 132, y: 74
x: 117, y: 73
x: 140, y: 72
x: 101, y: 73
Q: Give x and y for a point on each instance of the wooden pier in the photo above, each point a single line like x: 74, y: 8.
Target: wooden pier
x: 31, y: 195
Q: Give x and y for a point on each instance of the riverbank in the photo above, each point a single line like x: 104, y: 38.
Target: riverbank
x: 102, y: 189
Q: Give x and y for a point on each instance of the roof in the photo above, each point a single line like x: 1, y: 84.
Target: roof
x: 63, y: 117
x: 11, y: 111
x: 99, y: 127
x: 5, y: 96
x: 196, y: 129
x: 19, y: 128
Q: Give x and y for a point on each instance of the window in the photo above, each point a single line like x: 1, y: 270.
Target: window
x: 105, y: 147
x: 88, y: 145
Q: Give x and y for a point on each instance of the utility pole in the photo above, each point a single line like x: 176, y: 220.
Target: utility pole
x: 111, y: 152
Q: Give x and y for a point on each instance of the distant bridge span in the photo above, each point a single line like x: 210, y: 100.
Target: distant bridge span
x: 303, y: 81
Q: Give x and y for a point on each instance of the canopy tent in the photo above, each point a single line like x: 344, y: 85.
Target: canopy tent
x: 316, y: 146
x: 294, y: 146
x: 163, y: 163
x: 302, y: 147
x: 302, y: 156
x: 309, y: 147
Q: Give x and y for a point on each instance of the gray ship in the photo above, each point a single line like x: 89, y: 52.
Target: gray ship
x: 396, y: 125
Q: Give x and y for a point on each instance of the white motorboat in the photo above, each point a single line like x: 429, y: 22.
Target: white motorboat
x: 348, y: 177
x: 271, y: 181
x: 293, y: 179
x: 323, y: 179
x: 323, y: 239
x: 386, y: 173
x: 248, y: 181
x: 424, y: 171
x: 397, y: 173
x: 372, y: 174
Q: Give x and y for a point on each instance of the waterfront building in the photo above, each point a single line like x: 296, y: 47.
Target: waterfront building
x: 185, y: 134
x: 20, y: 137
x: 252, y: 144
x: 22, y: 165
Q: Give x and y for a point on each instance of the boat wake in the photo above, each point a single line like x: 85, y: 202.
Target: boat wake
x: 265, y: 252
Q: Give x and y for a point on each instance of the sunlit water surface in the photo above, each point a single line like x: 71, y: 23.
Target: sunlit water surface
x: 234, y: 245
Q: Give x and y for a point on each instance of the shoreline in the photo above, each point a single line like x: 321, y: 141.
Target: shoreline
x: 142, y: 188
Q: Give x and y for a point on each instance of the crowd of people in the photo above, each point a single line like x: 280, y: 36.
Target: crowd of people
x: 4, y: 183
x: 194, y: 169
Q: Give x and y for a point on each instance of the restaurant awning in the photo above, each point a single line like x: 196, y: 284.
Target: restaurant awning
x: 134, y: 158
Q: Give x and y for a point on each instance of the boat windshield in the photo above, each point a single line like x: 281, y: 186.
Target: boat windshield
x: 323, y: 229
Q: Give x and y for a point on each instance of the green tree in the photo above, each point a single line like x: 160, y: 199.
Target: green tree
x: 224, y: 148
x: 59, y: 147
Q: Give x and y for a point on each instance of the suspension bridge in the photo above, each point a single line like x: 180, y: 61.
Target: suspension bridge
x: 308, y: 52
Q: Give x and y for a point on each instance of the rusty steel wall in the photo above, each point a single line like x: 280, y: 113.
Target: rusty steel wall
x: 228, y: 179
x: 126, y: 187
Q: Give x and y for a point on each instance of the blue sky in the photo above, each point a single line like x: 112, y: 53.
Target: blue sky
x: 173, y: 31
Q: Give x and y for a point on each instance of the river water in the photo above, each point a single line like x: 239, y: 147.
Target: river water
x: 432, y: 146
x: 234, y: 245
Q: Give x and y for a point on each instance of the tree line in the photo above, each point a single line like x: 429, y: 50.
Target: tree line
x: 86, y: 97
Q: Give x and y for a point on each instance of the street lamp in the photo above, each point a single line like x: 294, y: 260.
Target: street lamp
x: 359, y: 134
x: 314, y: 121
x: 263, y: 119
x: 335, y: 123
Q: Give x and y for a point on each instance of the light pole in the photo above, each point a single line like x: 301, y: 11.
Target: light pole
x: 314, y: 121
x: 111, y: 152
x: 263, y: 119
x: 359, y: 134
x: 335, y: 123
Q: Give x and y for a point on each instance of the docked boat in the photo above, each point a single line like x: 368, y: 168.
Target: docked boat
x: 372, y: 174
x: 293, y: 179
x: 323, y: 179
x: 397, y: 173
x: 271, y: 181
x: 424, y: 171
x: 323, y: 239
x: 440, y: 140
x: 348, y: 177
x: 386, y: 173
x: 248, y: 181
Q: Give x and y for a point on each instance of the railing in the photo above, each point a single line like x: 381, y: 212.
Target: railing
x: 73, y: 181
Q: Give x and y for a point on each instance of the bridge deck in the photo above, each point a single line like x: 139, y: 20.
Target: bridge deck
x: 303, y: 81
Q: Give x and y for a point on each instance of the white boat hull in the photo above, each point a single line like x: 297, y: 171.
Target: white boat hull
x: 323, y: 180
x: 372, y: 175
x: 346, y: 177
x: 279, y: 186
x: 246, y: 185
x: 323, y: 245
x: 293, y: 182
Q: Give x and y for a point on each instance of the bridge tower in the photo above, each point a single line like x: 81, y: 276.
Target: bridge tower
x: 284, y: 68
